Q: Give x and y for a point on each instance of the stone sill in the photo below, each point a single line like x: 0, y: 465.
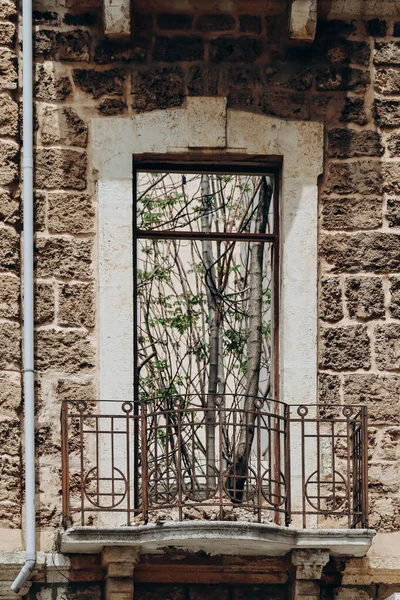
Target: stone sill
x: 218, y: 538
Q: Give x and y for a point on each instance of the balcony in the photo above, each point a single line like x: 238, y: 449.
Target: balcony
x: 172, y: 472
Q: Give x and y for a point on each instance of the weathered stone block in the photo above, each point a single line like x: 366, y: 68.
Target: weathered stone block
x: 8, y: 8
x: 297, y: 79
x: 181, y: 48
x: 8, y: 70
x: 217, y: 22
x: 9, y: 249
x: 387, y: 350
x: 351, y: 213
x: 347, y: 143
x: 45, y: 17
x: 66, y: 351
x: 10, y: 346
x: 384, y: 513
x: 250, y: 23
x: 247, y: 77
x: 44, y: 303
x: 70, y: 213
x: 387, y: 81
x: 376, y: 28
x: 10, y: 511
x: 354, y: 111
x: 387, y: 53
x: 287, y: 105
x: 73, y: 390
x: 9, y: 296
x: 44, y: 42
x: 363, y: 177
x: 389, y: 445
x: 379, y: 393
x: 365, y: 298
x: 61, y: 125
x: 329, y: 388
x: 57, y: 168
x: 342, y: 78
x: 7, y: 33
x: 394, y: 306
x: 10, y: 489
x: 331, y: 308
x: 8, y: 116
x: 383, y: 477
x: 73, y: 45
x: 39, y: 211
x: 111, y: 106
x: 9, y: 207
x: 387, y: 112
x: 50, y: 87
x: 393, y: 212
x: 345, y: 348
x: 99, y: 83
x: 10, y: 435
x: 64, y: 46
x: 10, y: 394
x: 369, y: 252
x: 62, y: 257
x: 110, y: 51
x: 171, y: 21
x: 391, y: 175
x: 393, y: 144
x: 244, y: 49
x: 342, y: 51
x: 157, y: 88
x: 9, y: 157
x: 76, y: 304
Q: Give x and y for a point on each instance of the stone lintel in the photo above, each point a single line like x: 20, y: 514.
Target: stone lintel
x: 303, y: 20
x: 117, y: 18
x: 206, y: 122
x: 309, y: 563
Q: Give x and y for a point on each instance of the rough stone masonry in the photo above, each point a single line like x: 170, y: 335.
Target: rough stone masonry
x: 348, y: 78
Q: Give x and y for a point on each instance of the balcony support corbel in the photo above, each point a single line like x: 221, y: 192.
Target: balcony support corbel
x: 120, y: 564
x: 303, y: 20
x: 308, y: 565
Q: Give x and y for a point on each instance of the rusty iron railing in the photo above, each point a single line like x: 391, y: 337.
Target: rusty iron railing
x: 182, y: 458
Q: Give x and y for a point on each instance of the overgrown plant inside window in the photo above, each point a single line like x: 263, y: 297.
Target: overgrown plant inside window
x: 206, y: 253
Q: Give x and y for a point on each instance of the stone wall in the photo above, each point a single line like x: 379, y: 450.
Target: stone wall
x: 348, y: 79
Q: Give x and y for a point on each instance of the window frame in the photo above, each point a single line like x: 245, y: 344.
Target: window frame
x: 217, y: 167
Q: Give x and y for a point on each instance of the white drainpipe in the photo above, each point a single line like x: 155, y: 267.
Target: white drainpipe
x: 28, y: 360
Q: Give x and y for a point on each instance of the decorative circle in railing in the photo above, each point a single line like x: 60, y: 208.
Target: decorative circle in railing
x: 273, y: 491
x: 302, y: 411
x: 163, y: 486
x: 105, y: 492
x: 326, y: 495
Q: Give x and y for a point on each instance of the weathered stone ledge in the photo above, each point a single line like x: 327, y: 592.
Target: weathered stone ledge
x: 217, y: 537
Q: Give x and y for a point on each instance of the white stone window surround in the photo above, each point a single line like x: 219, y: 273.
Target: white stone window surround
x: 299, y: 145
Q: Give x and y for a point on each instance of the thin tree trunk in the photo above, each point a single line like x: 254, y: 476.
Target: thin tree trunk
x: 214, y: 323
x: 237, y: 473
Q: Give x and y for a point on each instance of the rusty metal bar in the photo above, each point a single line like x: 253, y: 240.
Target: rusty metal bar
x: 65, y: 463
